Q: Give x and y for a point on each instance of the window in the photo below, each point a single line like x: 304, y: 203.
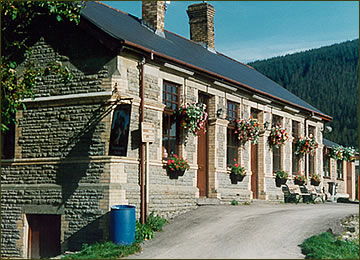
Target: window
x: 170, y: 124
x: 295, y: 158
x: 340, y: 172
x: 8, y: 142
x: 311, y: 157
x: 276, y: 151
x: 326, y: 163
x: 231, y: 138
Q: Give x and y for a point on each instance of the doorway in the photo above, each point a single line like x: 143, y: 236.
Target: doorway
x: 44, y: 235
x: 202, y: 154
x: 349, y: 179
x: 254, y: 170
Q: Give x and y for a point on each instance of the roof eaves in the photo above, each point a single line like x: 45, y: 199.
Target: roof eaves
x: 322, y: 116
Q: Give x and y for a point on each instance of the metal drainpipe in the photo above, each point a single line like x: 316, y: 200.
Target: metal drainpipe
x: 142, y: 152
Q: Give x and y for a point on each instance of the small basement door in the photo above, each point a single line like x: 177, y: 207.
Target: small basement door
x: 44, y: 236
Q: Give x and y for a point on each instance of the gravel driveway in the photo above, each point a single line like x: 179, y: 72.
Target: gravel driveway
x: 260, y: 230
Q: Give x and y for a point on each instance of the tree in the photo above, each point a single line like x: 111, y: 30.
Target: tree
x: 17, y: 17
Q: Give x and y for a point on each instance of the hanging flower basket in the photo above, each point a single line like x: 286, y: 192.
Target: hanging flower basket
x: 315, y: 179
x: 247, y: 131
x: 278, y: 136
x: 193, y: 118
x: 299, y: 180
x: 337, y: 152
x: 281, y: 177
x: 238, y: 173
x: 306, y: 145
x: 349, y: 154
x: 177, y: 166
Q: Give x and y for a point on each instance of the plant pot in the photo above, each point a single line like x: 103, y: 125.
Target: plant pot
x: 280, y: 181
x: 315, y: 183
x: 175, y: 174
x: 300, y: 183
x: 235, y: 178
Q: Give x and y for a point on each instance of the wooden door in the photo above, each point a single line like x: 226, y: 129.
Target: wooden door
x: 254, y: 170
x: 349, y: 179
x: 44, y: 236
x: 202, y: 158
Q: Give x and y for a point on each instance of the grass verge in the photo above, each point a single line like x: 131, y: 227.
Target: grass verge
x: 107, y: 250
x: 325, y: 246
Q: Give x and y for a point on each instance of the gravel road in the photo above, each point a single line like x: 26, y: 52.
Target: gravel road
x: 260, y: 230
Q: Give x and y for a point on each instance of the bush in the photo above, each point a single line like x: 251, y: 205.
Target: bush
x: 325, y: 246
x: 143, y: 232
x: 156, y: 222
x: 104, y: 251
x: 234, y: 202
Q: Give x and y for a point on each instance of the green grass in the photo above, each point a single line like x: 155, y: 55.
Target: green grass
x: 107, y: 250
x: 325, y: 246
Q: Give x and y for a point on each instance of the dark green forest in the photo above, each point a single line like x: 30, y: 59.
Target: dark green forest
x: 328, y: 79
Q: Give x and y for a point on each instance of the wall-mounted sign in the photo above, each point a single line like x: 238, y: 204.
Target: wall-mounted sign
x: 120, y: 130
x: 147, y: 132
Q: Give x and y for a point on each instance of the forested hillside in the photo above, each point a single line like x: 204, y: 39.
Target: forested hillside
x: 327, y: 78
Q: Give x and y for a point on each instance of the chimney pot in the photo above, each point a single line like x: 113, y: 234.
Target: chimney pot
x: 201, y: 20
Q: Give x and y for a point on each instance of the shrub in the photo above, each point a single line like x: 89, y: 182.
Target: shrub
x: 281, y: 174
x: 234, y: 202
x: 156, y: 222
x: 143, y: 232
x: 325, y: 246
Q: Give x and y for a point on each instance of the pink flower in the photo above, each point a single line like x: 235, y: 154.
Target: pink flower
x: 236, y: 165
x: 234, y: 159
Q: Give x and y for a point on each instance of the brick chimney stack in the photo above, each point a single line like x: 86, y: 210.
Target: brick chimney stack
x: 201, y: 20
x: 153, y: 15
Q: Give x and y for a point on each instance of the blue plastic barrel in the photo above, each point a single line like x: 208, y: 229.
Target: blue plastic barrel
x: 122, y: 224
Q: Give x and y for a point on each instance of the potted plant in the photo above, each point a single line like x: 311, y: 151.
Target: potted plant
x: 299, y: 180
x: 177, y: 166
x: 247, y: 130
x: 315, y: 179
x: 349, y: 154
x: 278, y: 136
x: 337, y: 152
x: 193, y: 118
x: 306, y: 145
x: 281, y: 177
x: 237, y: 172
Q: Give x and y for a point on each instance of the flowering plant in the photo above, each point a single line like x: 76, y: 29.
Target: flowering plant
x: 176, y: 163
x: 299, y: 179
x: 315, y: 177
x: 247, y: 130
x: 337, y: 152
x: 306, y: 145
x: 278, y: 136
x: 237, y: 169
x: 193, y: 117
x: 349, y: 154
x: 281, y: 174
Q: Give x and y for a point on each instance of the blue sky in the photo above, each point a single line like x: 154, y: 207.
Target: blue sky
x: 252, y: 30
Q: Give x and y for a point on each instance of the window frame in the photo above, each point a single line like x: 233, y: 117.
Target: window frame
x: 326, y: 164
x: 295, y: 132
x: 169, y: 112
x: 232, y: 109
x: 340, y: 174
x: 276, y: 152
x: 311, y: 158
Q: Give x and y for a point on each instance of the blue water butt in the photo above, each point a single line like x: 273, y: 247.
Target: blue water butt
x: 122, y: 224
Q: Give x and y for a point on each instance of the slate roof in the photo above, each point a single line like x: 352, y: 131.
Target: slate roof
x: 129, y: 29
x: 329, y: 143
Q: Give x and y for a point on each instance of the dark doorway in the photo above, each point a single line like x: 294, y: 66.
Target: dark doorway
x: 202, y: 158
x: 44, y: 236
x: 349, y: 179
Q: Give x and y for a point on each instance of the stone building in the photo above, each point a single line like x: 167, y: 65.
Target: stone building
x: 68, y: 162
x: 339, y: 173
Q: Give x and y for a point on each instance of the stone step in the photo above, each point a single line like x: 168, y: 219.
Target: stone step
x: 207, y: 201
